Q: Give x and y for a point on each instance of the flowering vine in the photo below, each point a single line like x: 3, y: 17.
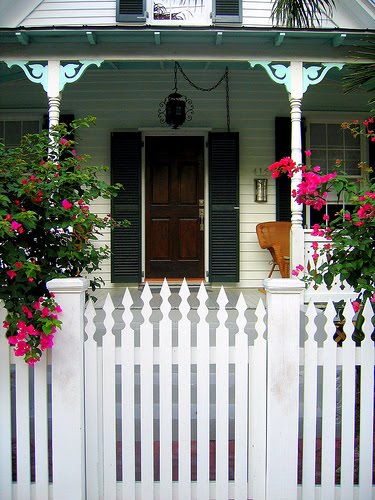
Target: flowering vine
x: 47, y: 230
x: 349, y: 249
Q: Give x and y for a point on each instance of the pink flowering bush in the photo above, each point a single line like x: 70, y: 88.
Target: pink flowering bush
x: 350, y: 247
x: 47, y: 230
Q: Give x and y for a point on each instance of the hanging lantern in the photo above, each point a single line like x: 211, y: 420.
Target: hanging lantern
x: 176, y: 108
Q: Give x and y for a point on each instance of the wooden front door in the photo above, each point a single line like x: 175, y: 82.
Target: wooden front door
x: 174, y: 199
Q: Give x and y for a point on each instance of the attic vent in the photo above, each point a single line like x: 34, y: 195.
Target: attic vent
x: 228, y: 11
x: 130, y: 10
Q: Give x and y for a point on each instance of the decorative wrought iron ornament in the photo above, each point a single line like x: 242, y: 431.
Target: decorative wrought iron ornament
x: 177, y: 108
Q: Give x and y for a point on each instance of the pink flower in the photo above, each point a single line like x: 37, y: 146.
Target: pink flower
x: 16, y: 226
x: 297, y: 270
x: 12, y: 340
x: 21, y: 324
x: 74, y: 152
x: 373, y: 298
x: 27, y: 311
x: 58, y: 309
x: 18, y: 265
x: 22, y: 348
x: 366, y: 211
x: 31, y: 361
x: 326, y: 217
x: 46, y: 341
x: 12, y: 274
x: 63, y: 141
x: 318, y: 231
x: 356, y: 305
x: 31, y: 330
x: 66, y: 204
x: 45, y: 312
x: 308, y: 153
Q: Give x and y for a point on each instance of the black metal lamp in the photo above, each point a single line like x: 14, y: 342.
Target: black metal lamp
x: 176, y: 108
x: 261, y: 190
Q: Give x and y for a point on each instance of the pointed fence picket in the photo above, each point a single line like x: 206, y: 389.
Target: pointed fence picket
x: 222, y: 400
x: 128, y: 400
x: 165, y: 382
x: 176, y: 404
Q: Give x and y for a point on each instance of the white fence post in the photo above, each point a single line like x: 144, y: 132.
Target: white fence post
x: 68, y: 391
x: 283, y: 317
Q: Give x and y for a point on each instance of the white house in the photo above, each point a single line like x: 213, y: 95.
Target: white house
x: 190, y: 191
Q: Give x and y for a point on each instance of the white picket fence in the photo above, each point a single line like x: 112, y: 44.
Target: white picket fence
x: 192, y: 403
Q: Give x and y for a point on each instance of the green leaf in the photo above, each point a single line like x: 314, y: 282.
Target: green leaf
x: 328, y: 279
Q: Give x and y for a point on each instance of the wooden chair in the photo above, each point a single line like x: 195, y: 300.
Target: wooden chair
x: 275, y: 237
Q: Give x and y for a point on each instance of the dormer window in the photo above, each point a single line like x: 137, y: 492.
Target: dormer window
x: 188, y: 12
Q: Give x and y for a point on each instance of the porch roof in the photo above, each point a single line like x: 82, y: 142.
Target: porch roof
x: 147, y: 43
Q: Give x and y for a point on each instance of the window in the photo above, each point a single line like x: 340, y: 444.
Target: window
x: 176, y: 10
x: 12, y: 131
x: 179, y: 12
x: 329, y: 142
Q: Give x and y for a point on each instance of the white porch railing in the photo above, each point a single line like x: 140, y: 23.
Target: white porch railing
x: 193, y: 403
x: 322, y: 293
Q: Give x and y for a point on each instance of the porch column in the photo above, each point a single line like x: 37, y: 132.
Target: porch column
x: 295, y: 99
x: 54, y: 100
x: 53, y: 93
x: 296, y: 77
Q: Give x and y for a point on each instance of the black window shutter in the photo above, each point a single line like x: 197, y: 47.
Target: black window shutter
x: 227, y: 11
x: 224, y: 203
x: 130, y: 10
x: 126, y: 243
x: 283, y: 132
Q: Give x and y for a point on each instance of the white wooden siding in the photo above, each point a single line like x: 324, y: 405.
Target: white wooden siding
x: 123, y: 100
x: 256, y: 13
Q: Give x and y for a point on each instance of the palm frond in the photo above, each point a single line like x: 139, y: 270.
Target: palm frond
x: 362, y: 74
x: 301, y: 13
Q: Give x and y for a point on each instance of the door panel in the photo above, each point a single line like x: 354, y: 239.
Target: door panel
x: 174, y: 186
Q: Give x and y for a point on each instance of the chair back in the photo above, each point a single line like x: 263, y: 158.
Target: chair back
x: 275, y: 237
